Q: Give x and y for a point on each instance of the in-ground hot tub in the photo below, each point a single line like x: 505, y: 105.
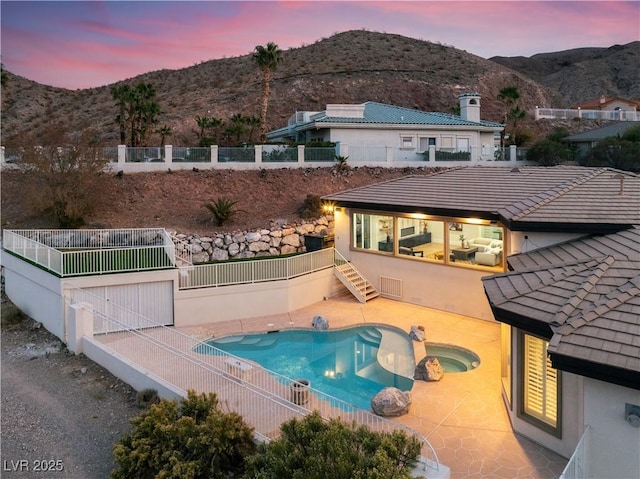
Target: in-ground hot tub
x: 452, y: 358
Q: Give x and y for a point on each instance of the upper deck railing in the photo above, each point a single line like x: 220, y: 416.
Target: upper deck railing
x: 93, y: 251
x: 568, y: 114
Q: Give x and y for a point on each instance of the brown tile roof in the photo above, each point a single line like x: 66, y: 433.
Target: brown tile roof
x: 587, y: 292
x: 536, y: 196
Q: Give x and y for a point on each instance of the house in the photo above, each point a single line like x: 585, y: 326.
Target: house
x: 606, y: 103
x: 585, y: 141
x: 564, y: 283
x: 410, y: 133
x: 571, y: 346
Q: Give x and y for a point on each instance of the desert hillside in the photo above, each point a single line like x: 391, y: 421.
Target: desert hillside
x: 349, y: 67
x: 174, y: 200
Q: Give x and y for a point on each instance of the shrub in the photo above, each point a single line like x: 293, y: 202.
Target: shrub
x: 311, y: 208
x: 311, y: 448
x: 147, y: 397
x: 548, y: 153
x: 190, y: 439
x: 341, y: 164
x: 222, y: 209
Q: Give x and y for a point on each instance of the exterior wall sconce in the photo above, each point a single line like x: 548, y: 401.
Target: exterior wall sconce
x: 328, y: 208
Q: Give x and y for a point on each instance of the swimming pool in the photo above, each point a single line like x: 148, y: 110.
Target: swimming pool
x: 352, y: 364
x: 453, y: 359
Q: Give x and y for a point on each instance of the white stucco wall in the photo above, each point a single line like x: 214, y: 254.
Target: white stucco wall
x: 523, y: 242
x: 614, y: 447
x: 35, y: 292
x: 210, y: 305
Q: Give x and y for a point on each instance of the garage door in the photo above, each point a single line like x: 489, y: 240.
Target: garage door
x: 130, y: 305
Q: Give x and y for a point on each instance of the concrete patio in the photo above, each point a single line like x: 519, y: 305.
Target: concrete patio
x: 463, y: 415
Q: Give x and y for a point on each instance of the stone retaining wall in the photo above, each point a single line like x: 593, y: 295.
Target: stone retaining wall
x: 280, y: 238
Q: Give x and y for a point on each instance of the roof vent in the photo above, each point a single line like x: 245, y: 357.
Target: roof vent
x: 515, y: 170
x: 621, y: 178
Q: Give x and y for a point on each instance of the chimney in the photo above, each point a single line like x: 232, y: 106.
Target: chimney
x: 470, y: 106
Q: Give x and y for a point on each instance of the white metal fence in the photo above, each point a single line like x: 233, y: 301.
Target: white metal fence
x: 254, y: 270
x: 577, y: 467
x: 264, y: 399
x: 97, y: 251
x: 611, y: 115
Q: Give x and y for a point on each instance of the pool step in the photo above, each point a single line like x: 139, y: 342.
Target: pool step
x: 372, y: 335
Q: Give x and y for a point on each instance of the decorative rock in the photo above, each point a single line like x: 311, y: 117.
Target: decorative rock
x: 258, y: 246
x: 252, y: 237
x: 234, y: 249
x: 391, y: 402
x: 417, y: 333
x: 200, y: 257
x: 288, y: 249
x: 292, y: 240
x: 220, y: 255
x: 429, y: 369
x: 320, y: 323
x: 218, y: 242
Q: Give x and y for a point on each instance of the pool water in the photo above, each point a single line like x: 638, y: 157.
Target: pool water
x: 352, y: 364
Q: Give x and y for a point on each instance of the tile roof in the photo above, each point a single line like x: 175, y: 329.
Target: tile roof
x: 380, y: 113
x: 587, y: 291
x: 599, y: 134
x: 530, y: 197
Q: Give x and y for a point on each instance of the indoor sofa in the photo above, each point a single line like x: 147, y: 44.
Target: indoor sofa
x: 489, y: 251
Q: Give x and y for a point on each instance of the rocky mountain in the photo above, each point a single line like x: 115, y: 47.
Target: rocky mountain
x: 349, y: 67
x: 583, y: 73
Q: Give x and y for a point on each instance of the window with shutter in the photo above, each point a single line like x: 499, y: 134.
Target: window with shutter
x: 540, y: 384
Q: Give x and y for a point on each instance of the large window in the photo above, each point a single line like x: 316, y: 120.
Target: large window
x: 539, y: 403
x: 427, y: 238
x: 373, y: 232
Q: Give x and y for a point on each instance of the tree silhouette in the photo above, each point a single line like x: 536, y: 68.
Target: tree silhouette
x: 138, y: 111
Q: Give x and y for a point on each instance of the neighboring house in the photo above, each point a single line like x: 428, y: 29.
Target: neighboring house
x: 608, y: 104
x: 585, y: 141
x: 409, y: 133
x: 571, y: 235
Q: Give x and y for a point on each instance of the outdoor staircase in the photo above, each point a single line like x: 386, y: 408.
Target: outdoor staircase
x: 355, y: 282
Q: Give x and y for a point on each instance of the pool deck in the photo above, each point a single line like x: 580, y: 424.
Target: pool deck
x: 463, y: 416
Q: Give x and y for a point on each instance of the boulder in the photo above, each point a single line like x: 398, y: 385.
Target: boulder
x: 391, y: 402
x: 320, y: 322
x: 429, y: 369
x: 417, y: 333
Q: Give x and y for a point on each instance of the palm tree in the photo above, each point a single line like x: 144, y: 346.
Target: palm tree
x: 509, y: 96
x: 267, y: 58
x: 164, y: 131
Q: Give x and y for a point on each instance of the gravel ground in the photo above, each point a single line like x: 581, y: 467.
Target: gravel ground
x: 61, y: 413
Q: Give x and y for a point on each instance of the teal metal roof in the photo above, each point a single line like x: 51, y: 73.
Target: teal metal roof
x: 380, y: 113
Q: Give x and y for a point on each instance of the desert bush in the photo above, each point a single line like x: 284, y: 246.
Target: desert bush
x: 147, y: 397
x: 548, y: 152
x: 192, y: 439
x: 311, y: 448
x: 341, y: 164
x: 63, y: 174
x: 311, y: 207
x: 222, y: 209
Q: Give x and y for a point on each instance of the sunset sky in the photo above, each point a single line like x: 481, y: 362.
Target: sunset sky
x: 82, y: 44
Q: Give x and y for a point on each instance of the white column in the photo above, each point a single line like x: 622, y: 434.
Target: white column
x: 214, y: 154
x: 258, y: 153
x: 301, y: 154
x: 513, y: 152
x: 122, y: 155
x: 80, y: 325
x: 432, y: 152
x: 168, y: 154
